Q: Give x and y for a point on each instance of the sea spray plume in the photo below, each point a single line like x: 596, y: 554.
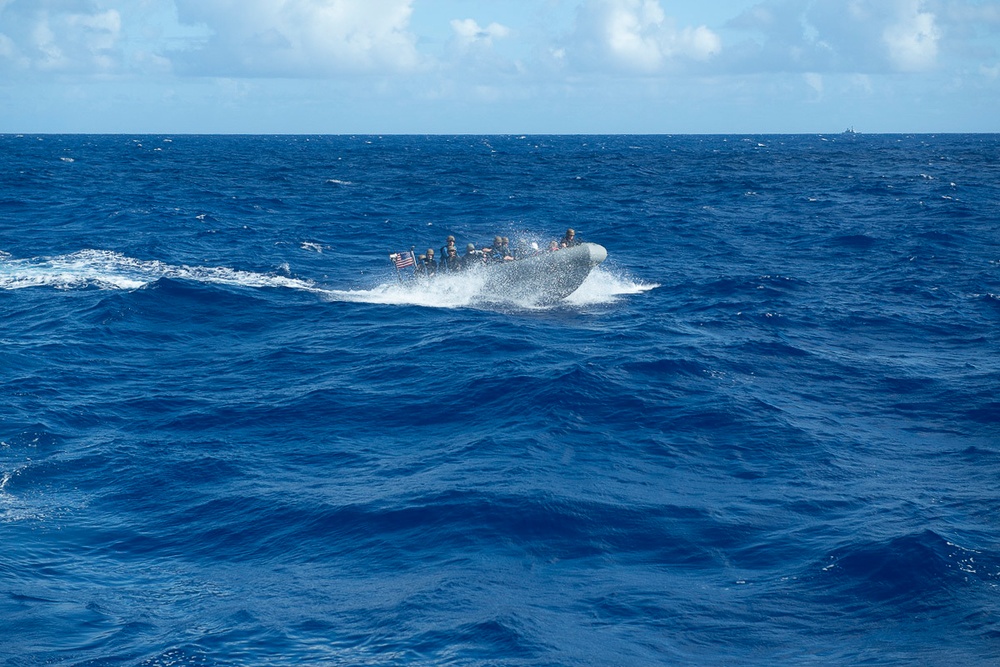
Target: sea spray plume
x: 445, y: 291
x: 537, y: 279
x: 602, y: 286
x: 605, y: 285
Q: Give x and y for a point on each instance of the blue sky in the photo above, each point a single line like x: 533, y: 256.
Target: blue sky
x: 516, y: 66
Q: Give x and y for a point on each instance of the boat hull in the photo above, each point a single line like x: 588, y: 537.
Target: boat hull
x: 544, y: 278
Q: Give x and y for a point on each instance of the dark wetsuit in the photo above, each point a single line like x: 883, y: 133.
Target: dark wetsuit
x: 451, y: 263
x: 496, y: 253
x: 444, y: 251
x: 471, y: 259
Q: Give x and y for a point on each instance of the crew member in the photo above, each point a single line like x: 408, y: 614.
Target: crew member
x: 449, y: 243
x: 569, y: 240
x: 471, y: 257
x: 496, y: 251
x: 451, y: 262
x: 430, y: 264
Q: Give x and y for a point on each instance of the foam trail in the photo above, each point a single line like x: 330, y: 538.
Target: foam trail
x: 111, y: 270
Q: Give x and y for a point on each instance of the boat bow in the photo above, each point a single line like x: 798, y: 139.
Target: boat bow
x: 544, y: 278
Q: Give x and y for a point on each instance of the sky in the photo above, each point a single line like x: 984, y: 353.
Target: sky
x: 499, y: 66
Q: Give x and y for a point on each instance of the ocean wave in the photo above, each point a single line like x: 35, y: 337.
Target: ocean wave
x: 763, y: 432
x: 913, y: 573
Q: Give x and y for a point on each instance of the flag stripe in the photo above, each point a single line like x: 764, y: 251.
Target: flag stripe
x: 402, y: 259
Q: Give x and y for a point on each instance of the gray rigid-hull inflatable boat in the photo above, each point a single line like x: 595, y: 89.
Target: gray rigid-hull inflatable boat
x: 544, y: 278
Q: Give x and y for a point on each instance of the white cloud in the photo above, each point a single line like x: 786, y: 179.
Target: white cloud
x: 43, y: 37
x: 474, y: 64
x: 965, y: 12
x: 815, y: 82
x: 301, y: 37
x: 598, y: 61
x: 697, y: 43
x: 7, y: 47
x: 912, y: 40
x: 631, y: 33
x: 468, y: 32
x: 635, y: 36
x: 862, y: 83
x: 871, y: 36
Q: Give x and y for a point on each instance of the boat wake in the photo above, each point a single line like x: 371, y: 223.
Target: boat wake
x: 109, y: 270
x: 105, y: 269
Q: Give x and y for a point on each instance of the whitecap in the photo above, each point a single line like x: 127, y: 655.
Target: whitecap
x: 13, y: 508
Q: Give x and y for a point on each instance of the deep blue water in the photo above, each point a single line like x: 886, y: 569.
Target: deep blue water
x: 766, y: 431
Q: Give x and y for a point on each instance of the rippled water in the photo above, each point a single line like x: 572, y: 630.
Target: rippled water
x: 765, y: 431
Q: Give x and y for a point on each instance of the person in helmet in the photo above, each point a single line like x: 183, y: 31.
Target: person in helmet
x: 495, y: 252
x: 449, y: 243
x: 472, y: 257
x: 499, y: 251
x: 430, y: 264
x: 451, y: 262
x: 569, y: 240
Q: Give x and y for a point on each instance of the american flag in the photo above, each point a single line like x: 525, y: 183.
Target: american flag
x: 402, y: 259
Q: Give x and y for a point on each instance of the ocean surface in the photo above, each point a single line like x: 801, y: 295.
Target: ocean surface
x: 766, y: 431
